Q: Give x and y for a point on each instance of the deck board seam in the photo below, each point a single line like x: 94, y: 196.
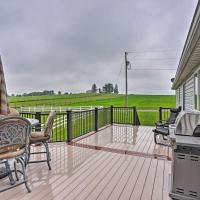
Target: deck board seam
x: 127, y: 165
x: 103, y: 163
x: 122, y: 151
x: 104, y: 157
x: 147, y: 139
x: 133, y: 169
x: 33, y: 169
x: 137, y: 178
x: 163, y: 181
x: 110, y: 178
x: 102, y: 177
x: 137, y: 158
x: 63, y: 179
x: 88, y: 164
x: 121, y: 164
x: 145, y: 179
x: 154, y: 181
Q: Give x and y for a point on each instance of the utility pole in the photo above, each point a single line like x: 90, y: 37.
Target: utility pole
x: 126, y: 79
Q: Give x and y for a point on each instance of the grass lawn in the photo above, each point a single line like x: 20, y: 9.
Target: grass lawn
x: 85, y: 124
x: 148, y: 118
x: 84, y: 99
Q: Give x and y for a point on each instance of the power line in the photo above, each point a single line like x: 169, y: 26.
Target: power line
x: 150, y: 59
x: 152, y: 68
x: 120, y: 71
x: 155, y: 51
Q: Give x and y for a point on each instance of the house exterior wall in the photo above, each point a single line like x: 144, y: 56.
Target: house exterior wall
x: 190, y: 58
x: 179, y: 96
x: 187, y: 78
x: 185, y: 95
x: 178, y: 103
x: 189, y: 94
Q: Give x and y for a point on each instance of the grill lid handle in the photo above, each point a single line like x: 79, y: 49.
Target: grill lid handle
x: 196, y: 132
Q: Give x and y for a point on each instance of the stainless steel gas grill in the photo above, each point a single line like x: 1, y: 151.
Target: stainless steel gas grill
x: 185, y: 177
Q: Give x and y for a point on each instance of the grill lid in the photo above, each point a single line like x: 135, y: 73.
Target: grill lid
x: 186, y: 123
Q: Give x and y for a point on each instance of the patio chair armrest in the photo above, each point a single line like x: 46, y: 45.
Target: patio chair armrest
x: 166, y: 124
x: 159, y: 123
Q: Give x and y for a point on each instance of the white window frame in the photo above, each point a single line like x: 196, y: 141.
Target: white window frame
x: 179, y: 96
x: 196, y: 99
x: 197, y: 74
x: 184, y: 95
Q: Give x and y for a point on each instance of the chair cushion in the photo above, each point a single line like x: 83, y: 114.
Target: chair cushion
x: 13, y: 112
x: 11, y: 151
x: 159, y: 123
x: 175, y: 110
x: 161, y: 130
x: 38, y: 137
x: 37, y: 134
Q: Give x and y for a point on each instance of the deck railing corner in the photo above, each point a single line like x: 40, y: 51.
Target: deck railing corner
x: 69, y: 126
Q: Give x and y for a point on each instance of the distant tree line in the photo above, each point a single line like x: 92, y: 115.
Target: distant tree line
x: 45, y: 92
x: 107, y: 88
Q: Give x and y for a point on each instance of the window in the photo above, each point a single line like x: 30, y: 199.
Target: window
x: 184, y: 96
x: 179, y: 96
x: 196, y: 91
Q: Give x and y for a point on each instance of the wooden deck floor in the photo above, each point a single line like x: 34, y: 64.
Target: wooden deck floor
x: 126, y: 139
x: 84, y: 173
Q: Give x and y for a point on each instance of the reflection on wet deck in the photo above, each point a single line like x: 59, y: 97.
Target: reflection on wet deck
x: 125, y: 139
x: 83, y: 173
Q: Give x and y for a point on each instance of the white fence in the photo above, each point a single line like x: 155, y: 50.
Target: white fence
x: 56, y: 108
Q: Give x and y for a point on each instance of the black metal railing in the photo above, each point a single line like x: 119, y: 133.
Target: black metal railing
x: 70, y: 125
x: 80, y: 123
x: 125, y: 115
x: 104, y: 117
x: 59, y: 127
x: 164, y: 113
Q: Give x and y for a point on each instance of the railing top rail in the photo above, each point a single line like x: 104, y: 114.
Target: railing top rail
x: 104, y: 108
x: 82, y: 111
x: 123, y: 107
x: 164, y: 108
x: 31, y: 113
x: 41, y: 113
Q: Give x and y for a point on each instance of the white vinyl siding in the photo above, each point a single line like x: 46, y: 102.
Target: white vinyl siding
x: 189, y: 94
x: 185, y: 94
x: 196, y: 91
x: 179, y: 97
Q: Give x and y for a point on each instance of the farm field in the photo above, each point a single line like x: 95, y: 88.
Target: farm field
x: 144, y: 104
x: 74, y: 100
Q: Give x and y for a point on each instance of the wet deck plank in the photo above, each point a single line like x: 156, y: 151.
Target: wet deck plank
x: 87, y: 174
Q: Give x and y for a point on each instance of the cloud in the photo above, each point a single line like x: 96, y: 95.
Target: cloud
x: 68, y: 45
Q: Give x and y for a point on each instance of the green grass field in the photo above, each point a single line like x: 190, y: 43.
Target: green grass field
x: 70, y: 100
x: 141, y: 102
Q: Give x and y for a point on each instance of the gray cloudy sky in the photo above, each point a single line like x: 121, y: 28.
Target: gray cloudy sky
x: 68, y: 45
